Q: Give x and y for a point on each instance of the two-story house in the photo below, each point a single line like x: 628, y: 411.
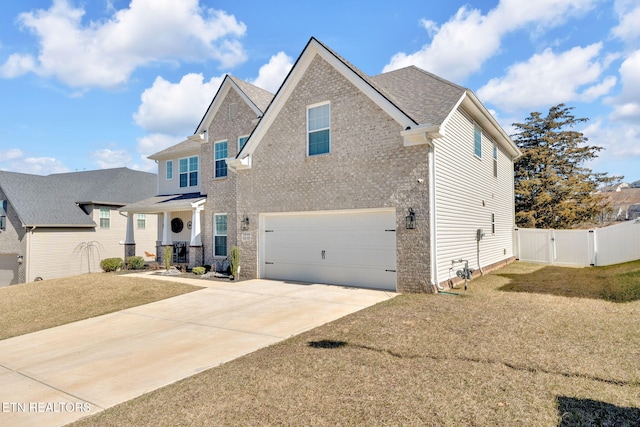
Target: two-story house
x: 392, y: 181
x: 65, y: 224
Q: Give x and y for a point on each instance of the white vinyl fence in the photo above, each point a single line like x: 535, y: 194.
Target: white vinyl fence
x: 601, y: 246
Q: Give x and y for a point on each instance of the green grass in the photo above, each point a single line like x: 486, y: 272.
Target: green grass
x: 617, y: 283
x: 486, y: 358
x: 30, y: 307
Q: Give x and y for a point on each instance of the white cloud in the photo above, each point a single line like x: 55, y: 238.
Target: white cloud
x: 621, y: 145
x: 11, y: 154
x: 108, y: 158
x: 272, y: 74
x: 548, y: 78
x: 16, y: 160
x: 151, y: 144
x: 627, y: 105
x: 461, y: 45
x: 628, y: 29
x: 17, y: 65
x: 176, y: 108
x: 105, y: 53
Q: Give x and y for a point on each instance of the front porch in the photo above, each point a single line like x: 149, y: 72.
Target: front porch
x: 178, y: 229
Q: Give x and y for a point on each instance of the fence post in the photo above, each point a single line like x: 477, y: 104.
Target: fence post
x: 552, y: 251
x: 592, y: 248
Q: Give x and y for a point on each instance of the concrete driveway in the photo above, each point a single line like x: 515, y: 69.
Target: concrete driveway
x: 59, y: 375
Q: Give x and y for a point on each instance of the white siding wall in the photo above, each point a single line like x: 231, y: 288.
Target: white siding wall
x: 466, y: 194
x: 172, y: 186
x: 55, y: 252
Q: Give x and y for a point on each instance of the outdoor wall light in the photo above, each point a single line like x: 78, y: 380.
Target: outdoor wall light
x: 20, y: 259
x: 245, y: 223
x: 411, y: 219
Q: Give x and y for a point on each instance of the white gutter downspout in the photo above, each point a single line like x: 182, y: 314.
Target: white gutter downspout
x: 432, y: 219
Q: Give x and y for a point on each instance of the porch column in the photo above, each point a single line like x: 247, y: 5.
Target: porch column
x: 166, y: 229
x: 195, y: 246
x: 129, y: 241
x: 166, y: 236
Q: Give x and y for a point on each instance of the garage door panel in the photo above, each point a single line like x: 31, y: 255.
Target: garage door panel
x: 356, y: 249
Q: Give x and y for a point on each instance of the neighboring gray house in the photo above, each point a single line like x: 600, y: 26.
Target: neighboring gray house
x: 343, y: 178
x: 45, y: 221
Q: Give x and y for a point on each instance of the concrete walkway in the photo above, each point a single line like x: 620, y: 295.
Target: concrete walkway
x: 55, y: 376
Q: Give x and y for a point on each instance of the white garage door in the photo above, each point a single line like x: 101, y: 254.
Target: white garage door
x: 343, y: 248
x: 8, y: 269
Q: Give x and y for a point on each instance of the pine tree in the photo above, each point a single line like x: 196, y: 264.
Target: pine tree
x: 552, y: 187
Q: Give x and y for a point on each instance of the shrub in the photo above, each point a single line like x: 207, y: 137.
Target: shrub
x: 111, y: 264
x: 234, y: 260
x: 168, y: 256
x: 198, y: 270
x: 135, y: 263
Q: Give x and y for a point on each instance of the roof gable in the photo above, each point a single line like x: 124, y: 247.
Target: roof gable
x: 256, y: 98
x: 56, y: 200
x: 364, y: 83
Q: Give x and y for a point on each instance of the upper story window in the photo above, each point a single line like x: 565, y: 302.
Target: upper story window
x: 3, y: 214
x: 142, y: 221
x: 219, y: 156
x: 477, y: 140
x: 241, y: 141
x: 318, y: 129
x: 105, y: 218
x: 189, y: 172
x: 495, y: 160
x: 169, y: 169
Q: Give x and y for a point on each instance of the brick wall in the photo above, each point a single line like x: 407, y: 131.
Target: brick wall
x: 221, y: 192
x: 368, y: 167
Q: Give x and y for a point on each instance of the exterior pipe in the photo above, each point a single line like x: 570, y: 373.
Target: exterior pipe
x: 432, y: 220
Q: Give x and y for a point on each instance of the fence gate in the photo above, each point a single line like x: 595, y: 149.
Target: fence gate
x: 604, y: 246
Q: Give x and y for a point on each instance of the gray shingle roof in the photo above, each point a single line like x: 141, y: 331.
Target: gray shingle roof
x: 54, y: 200
x: 423, y: 96
x: 260, y: 97
x: 186, y: 146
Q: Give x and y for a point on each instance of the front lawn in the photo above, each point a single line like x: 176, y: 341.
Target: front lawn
x: 485, y: 358
x: 30, y: 307
x: 615, y: 283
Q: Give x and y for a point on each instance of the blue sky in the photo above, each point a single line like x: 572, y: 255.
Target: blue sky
x: 104, y: 83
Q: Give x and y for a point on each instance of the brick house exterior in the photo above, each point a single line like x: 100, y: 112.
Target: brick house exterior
x: 399, y: 146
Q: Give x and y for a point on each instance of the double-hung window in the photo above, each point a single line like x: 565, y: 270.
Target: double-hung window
x: 477, y: 140
x: 189, y: 172
x: 142, y: 221
x: 318, y: 129
x: 105, y: 218
x: 219, y: 156
x: 220, y: 235
x: 169, y: 169
x: 3, y: 214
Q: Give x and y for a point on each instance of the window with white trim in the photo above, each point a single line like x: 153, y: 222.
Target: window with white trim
x: 219, y: 162
x: 495, y: 160
x: 169, y: 169
x: 477, y: 140
x: 220, y: 235
x: 142, y: 221
x: 105, y: 218
x: 189, y: 172
x: 319, y: 129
